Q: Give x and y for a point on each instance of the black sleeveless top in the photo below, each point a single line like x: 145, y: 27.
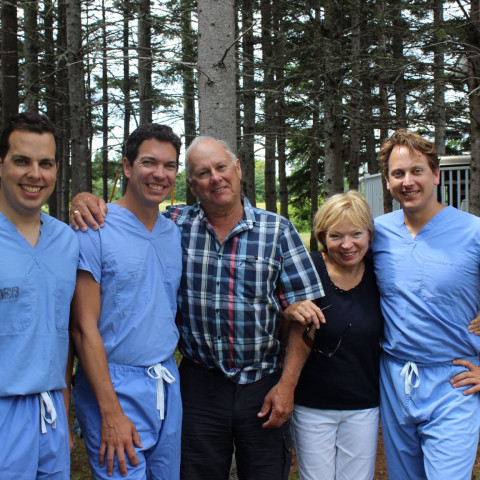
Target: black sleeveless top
x: 348, y: 380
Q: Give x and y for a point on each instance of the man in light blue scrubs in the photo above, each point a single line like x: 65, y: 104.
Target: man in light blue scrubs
x: 38, y: 262
x: 427, y: 263
x: 126, y: 393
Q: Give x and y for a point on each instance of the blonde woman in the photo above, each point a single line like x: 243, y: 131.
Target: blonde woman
x: 335, y: 418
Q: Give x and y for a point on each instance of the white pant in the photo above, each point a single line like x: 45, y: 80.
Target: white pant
x: 335, y: 444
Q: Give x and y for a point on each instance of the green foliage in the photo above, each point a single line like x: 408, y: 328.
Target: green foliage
x: 181, y: 188
x: 259, y: 180
x: 114, y: 167
x: 300, y: 216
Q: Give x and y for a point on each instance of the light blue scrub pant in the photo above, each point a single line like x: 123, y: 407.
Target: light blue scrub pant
x: 32, y: 446
x: 430, y: 429
x: 139, y: 394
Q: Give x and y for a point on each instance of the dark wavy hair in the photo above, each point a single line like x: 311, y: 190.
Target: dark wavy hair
x: 155, y: 131
x: 25, y: 122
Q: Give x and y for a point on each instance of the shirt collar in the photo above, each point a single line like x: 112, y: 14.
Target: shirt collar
x: 248, y: 219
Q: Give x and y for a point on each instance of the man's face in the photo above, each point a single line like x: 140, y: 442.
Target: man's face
x: 215, y: 179
x: 152, y: 175
x: 410, y: 180
x: 28, y: 172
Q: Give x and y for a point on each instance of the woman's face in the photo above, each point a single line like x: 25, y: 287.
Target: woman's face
x: 347, y: 244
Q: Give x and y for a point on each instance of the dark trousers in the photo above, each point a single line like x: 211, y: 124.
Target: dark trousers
x: 219, y: 415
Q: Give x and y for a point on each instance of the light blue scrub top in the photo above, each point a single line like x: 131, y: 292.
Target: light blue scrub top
x: 139, y: 275
x: 36, y: 287
x: 429, y: 285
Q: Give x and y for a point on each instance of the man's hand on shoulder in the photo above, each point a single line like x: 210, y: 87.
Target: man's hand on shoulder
x: 87, y: 210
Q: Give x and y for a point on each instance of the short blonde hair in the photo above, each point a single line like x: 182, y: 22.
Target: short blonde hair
x: 351, y: 206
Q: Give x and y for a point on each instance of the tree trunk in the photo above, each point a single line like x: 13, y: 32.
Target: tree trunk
x: 314, y: 173
x: 188, y: 59
x: 76, y: 82
x: 279, y: 47
x: 397, y: 50
x: 9, y: 56
x: 355, y: 102
x: 473, y: 82
x: 104, y: 105
x: 382, y: 87
x: 62, y: 117
x: 145, y: 62
x: 333, y: 130
x: 216, y: 69
x: 248, y: 94
x: 31, y: 56
x: 439, y: 113
x: 48, y: 68
x: 126, y: 84
x: 269, y: 106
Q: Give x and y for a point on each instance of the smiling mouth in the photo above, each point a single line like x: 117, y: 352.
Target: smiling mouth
x: 409, y: 194
x: 220, y: 189
x: 30, y: 189
x: 158, y: 188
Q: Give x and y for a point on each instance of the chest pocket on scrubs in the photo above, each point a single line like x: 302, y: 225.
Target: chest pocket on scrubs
x: 386, y: 271
x: 129, y: 281
x: 63, y: 296
x: 442, y: 280
x: 17, y: 303
x: 255, y: 276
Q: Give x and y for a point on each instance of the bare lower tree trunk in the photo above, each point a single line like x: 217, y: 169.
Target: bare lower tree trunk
x: 279, y: 48
x: 439, y: 85
x: 269, y: 107
x: 473, y: 82
x: 382, y: 86
x: 333, y: 130
x: 31, y: 56
x: 104, y: 105
x: 399, y: 28
x: 216, y: 69
x: 50, y: 92
x: 355, y: 102
x: 248, y: 94
x: 314, y: 174
x: 188, y: 53
x: 62, y: 117
x: 9, y: 56
x: 145, y: 62
x: 126, y: 84
x: 76, y: 82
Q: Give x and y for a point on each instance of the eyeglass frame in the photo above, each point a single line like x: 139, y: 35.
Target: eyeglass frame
x: 311, y: 342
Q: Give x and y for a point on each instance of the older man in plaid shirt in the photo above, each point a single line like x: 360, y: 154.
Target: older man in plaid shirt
x: 245, y: 271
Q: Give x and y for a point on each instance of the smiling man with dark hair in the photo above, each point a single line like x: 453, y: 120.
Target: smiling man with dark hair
x: 126, y: 391
x: 38, y: 260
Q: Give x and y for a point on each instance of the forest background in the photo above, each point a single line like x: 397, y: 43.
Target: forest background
x: 304, y: 91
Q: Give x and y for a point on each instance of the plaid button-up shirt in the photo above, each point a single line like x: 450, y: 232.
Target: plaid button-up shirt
x: 232, y: 294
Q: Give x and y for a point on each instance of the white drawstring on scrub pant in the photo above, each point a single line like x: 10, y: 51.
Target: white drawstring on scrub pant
x: 47, y: 407
x: 161, y: 375
x: 408, y: 371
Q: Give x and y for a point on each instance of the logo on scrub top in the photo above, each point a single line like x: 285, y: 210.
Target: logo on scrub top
x: 8, y: 293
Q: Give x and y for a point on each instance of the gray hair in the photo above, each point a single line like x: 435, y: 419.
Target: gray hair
x: 200, y: 139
